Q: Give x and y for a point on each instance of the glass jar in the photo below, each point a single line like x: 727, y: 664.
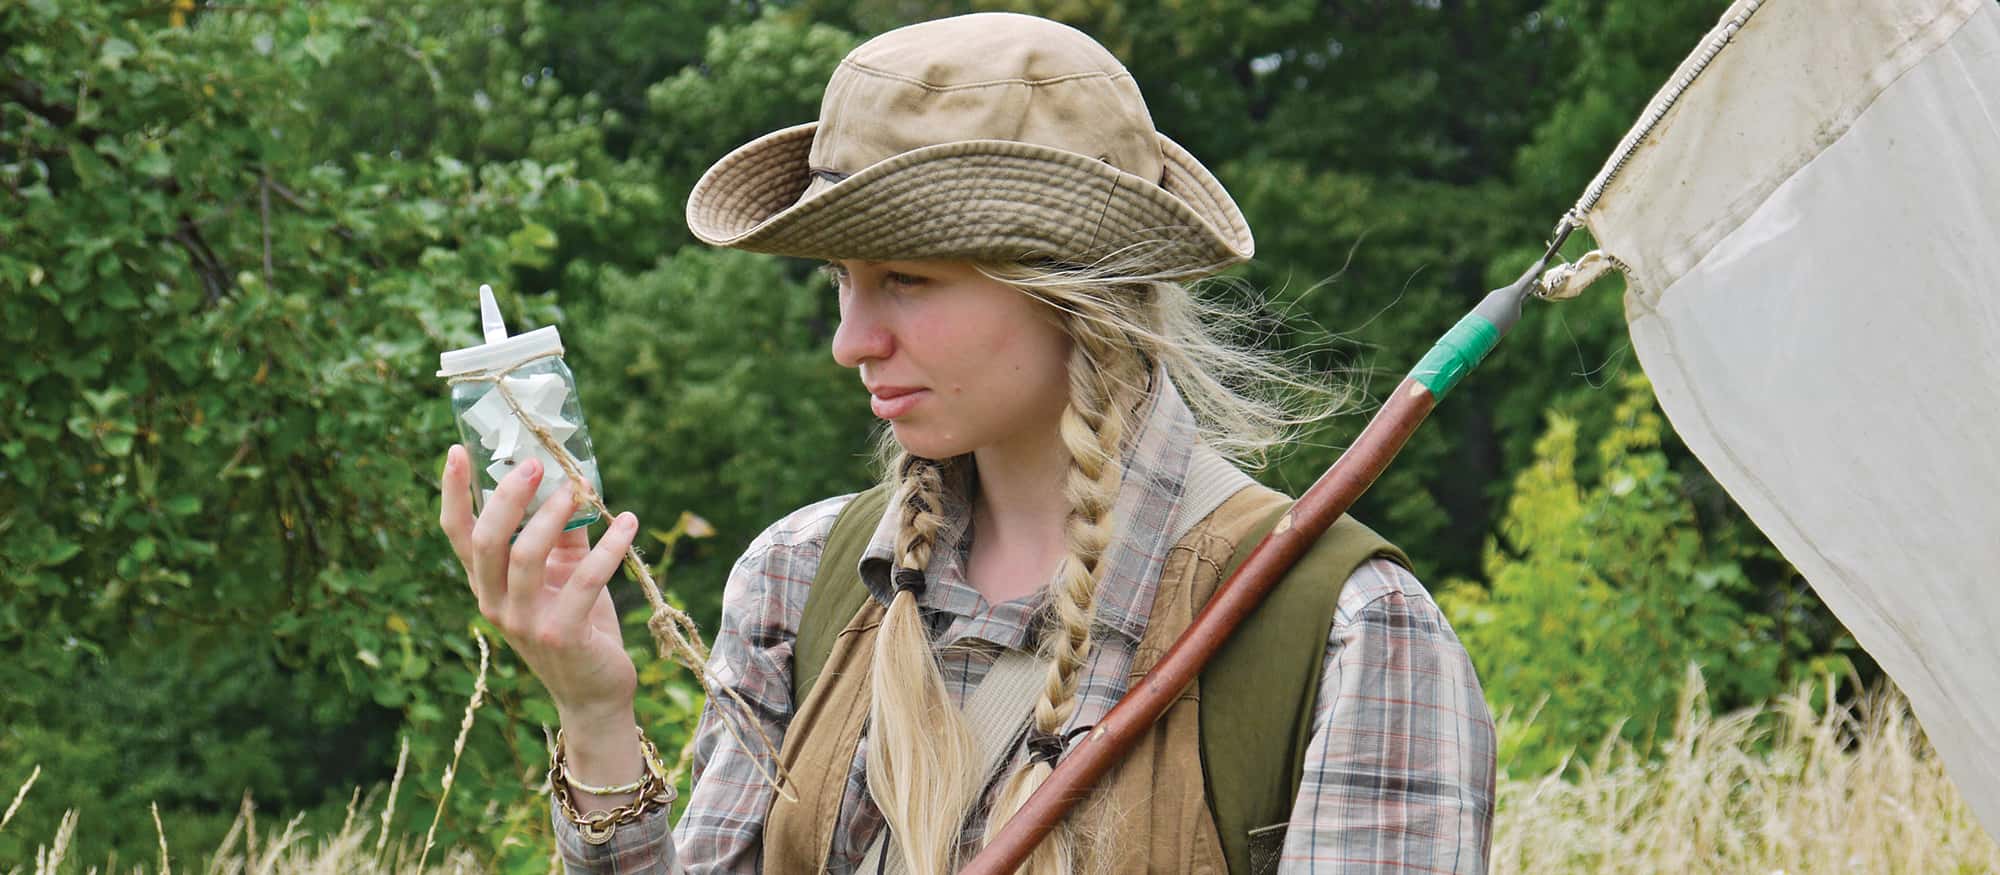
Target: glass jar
x: 496, y: 438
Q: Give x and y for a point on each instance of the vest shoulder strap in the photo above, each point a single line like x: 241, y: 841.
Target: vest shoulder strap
x: 837, y: 591
x: 1259, y: 690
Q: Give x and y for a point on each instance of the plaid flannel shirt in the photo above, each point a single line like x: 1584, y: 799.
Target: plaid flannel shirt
x: 1400, y: 767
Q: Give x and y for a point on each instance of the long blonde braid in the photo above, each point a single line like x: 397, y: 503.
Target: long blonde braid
x: 1105, y: 382
x: 923, y: 763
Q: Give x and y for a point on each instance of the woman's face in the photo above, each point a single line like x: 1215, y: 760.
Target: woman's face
x: 953, y: 360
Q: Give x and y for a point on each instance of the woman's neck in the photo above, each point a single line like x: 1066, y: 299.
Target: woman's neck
x: 1017, y: 516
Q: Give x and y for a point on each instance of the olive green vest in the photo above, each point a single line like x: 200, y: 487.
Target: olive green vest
x: 1256, y: 696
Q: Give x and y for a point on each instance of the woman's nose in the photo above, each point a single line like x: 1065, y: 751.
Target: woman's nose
x: 862, y: 335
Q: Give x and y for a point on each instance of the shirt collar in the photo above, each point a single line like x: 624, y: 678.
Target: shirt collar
x: 1155, y: 507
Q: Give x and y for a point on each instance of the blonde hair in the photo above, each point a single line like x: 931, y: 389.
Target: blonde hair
x: 1126, y: 327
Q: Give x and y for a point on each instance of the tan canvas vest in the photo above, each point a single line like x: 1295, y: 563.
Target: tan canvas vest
x: 1152, y: 806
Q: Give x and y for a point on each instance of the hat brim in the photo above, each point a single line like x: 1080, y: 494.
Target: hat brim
x: 975, y: 200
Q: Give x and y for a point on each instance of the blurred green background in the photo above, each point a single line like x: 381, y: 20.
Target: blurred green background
x: 235, y: 236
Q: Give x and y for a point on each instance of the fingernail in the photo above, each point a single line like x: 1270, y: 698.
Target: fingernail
x: 533, y: 467
x: 627, y: 521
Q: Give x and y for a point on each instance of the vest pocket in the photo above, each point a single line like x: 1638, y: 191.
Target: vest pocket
x: 1267, y: 847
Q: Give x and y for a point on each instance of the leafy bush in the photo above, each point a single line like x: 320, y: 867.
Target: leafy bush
x: 1598, y: 596
x: 219, y: 527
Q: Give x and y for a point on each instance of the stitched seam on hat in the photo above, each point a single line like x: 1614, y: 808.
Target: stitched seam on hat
x: 841, y: 113
x: 988, y: 83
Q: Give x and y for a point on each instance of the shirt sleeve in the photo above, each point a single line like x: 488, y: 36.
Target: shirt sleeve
x: 1399, y: 772
x: 751, y: 655
x: 642, y: 847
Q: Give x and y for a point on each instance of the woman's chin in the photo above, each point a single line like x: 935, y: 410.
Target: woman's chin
x: 929, y: 443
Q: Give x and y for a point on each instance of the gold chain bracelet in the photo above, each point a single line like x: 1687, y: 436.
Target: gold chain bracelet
x: 596, y: 826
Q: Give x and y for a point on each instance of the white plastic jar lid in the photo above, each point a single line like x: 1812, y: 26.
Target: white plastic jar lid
x: 501, y: 353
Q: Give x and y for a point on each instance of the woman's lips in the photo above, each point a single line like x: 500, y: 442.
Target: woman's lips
x: 898, y: 402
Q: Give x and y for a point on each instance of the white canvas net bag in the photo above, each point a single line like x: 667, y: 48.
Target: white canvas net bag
x: 1811, y: 238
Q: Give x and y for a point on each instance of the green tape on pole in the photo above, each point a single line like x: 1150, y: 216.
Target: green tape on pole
x: 1456, y: 354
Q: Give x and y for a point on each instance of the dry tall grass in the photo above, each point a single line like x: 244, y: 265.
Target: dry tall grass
x: 243, y: 852
x: 290, y: 853
x: 1785, y: 789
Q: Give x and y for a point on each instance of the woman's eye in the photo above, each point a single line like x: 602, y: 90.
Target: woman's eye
x: 839, y: 277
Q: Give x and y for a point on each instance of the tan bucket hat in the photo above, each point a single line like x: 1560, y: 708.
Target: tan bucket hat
x: 991, y: 136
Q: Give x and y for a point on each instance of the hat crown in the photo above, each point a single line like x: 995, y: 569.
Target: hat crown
x: 985, y: 76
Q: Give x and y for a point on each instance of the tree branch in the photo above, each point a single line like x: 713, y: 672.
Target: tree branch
x: 264, y: 215
x: 343, y: 232
x: 215, y: 279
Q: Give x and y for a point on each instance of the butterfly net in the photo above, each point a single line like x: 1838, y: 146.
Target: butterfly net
x: 1809, y: 223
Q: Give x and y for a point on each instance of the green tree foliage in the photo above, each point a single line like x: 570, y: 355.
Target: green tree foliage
x: 221, y: 421
x: 711, y: 373
x: 473, y: 84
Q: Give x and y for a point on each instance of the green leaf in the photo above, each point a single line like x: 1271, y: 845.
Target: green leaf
x: 529, y: 238
x: 114, y: 52
x: 103, y: 402
x: 323, y: 46
x: 60, y: 552
x: 182, y: 505
x: 154, y: 162
x: 147, y: 475
x: 89, y: 166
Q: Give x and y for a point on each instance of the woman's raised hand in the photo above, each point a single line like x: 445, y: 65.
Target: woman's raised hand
x: 546, y: 591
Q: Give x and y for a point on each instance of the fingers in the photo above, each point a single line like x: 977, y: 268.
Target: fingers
x: 492, y: 531
x: 507, y: 570
x: 575, y: 540
x: 572, y: 607
x: 529, y: 556
x: 455, y: 512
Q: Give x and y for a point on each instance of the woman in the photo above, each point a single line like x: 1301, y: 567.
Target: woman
x: 1008, y: 234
